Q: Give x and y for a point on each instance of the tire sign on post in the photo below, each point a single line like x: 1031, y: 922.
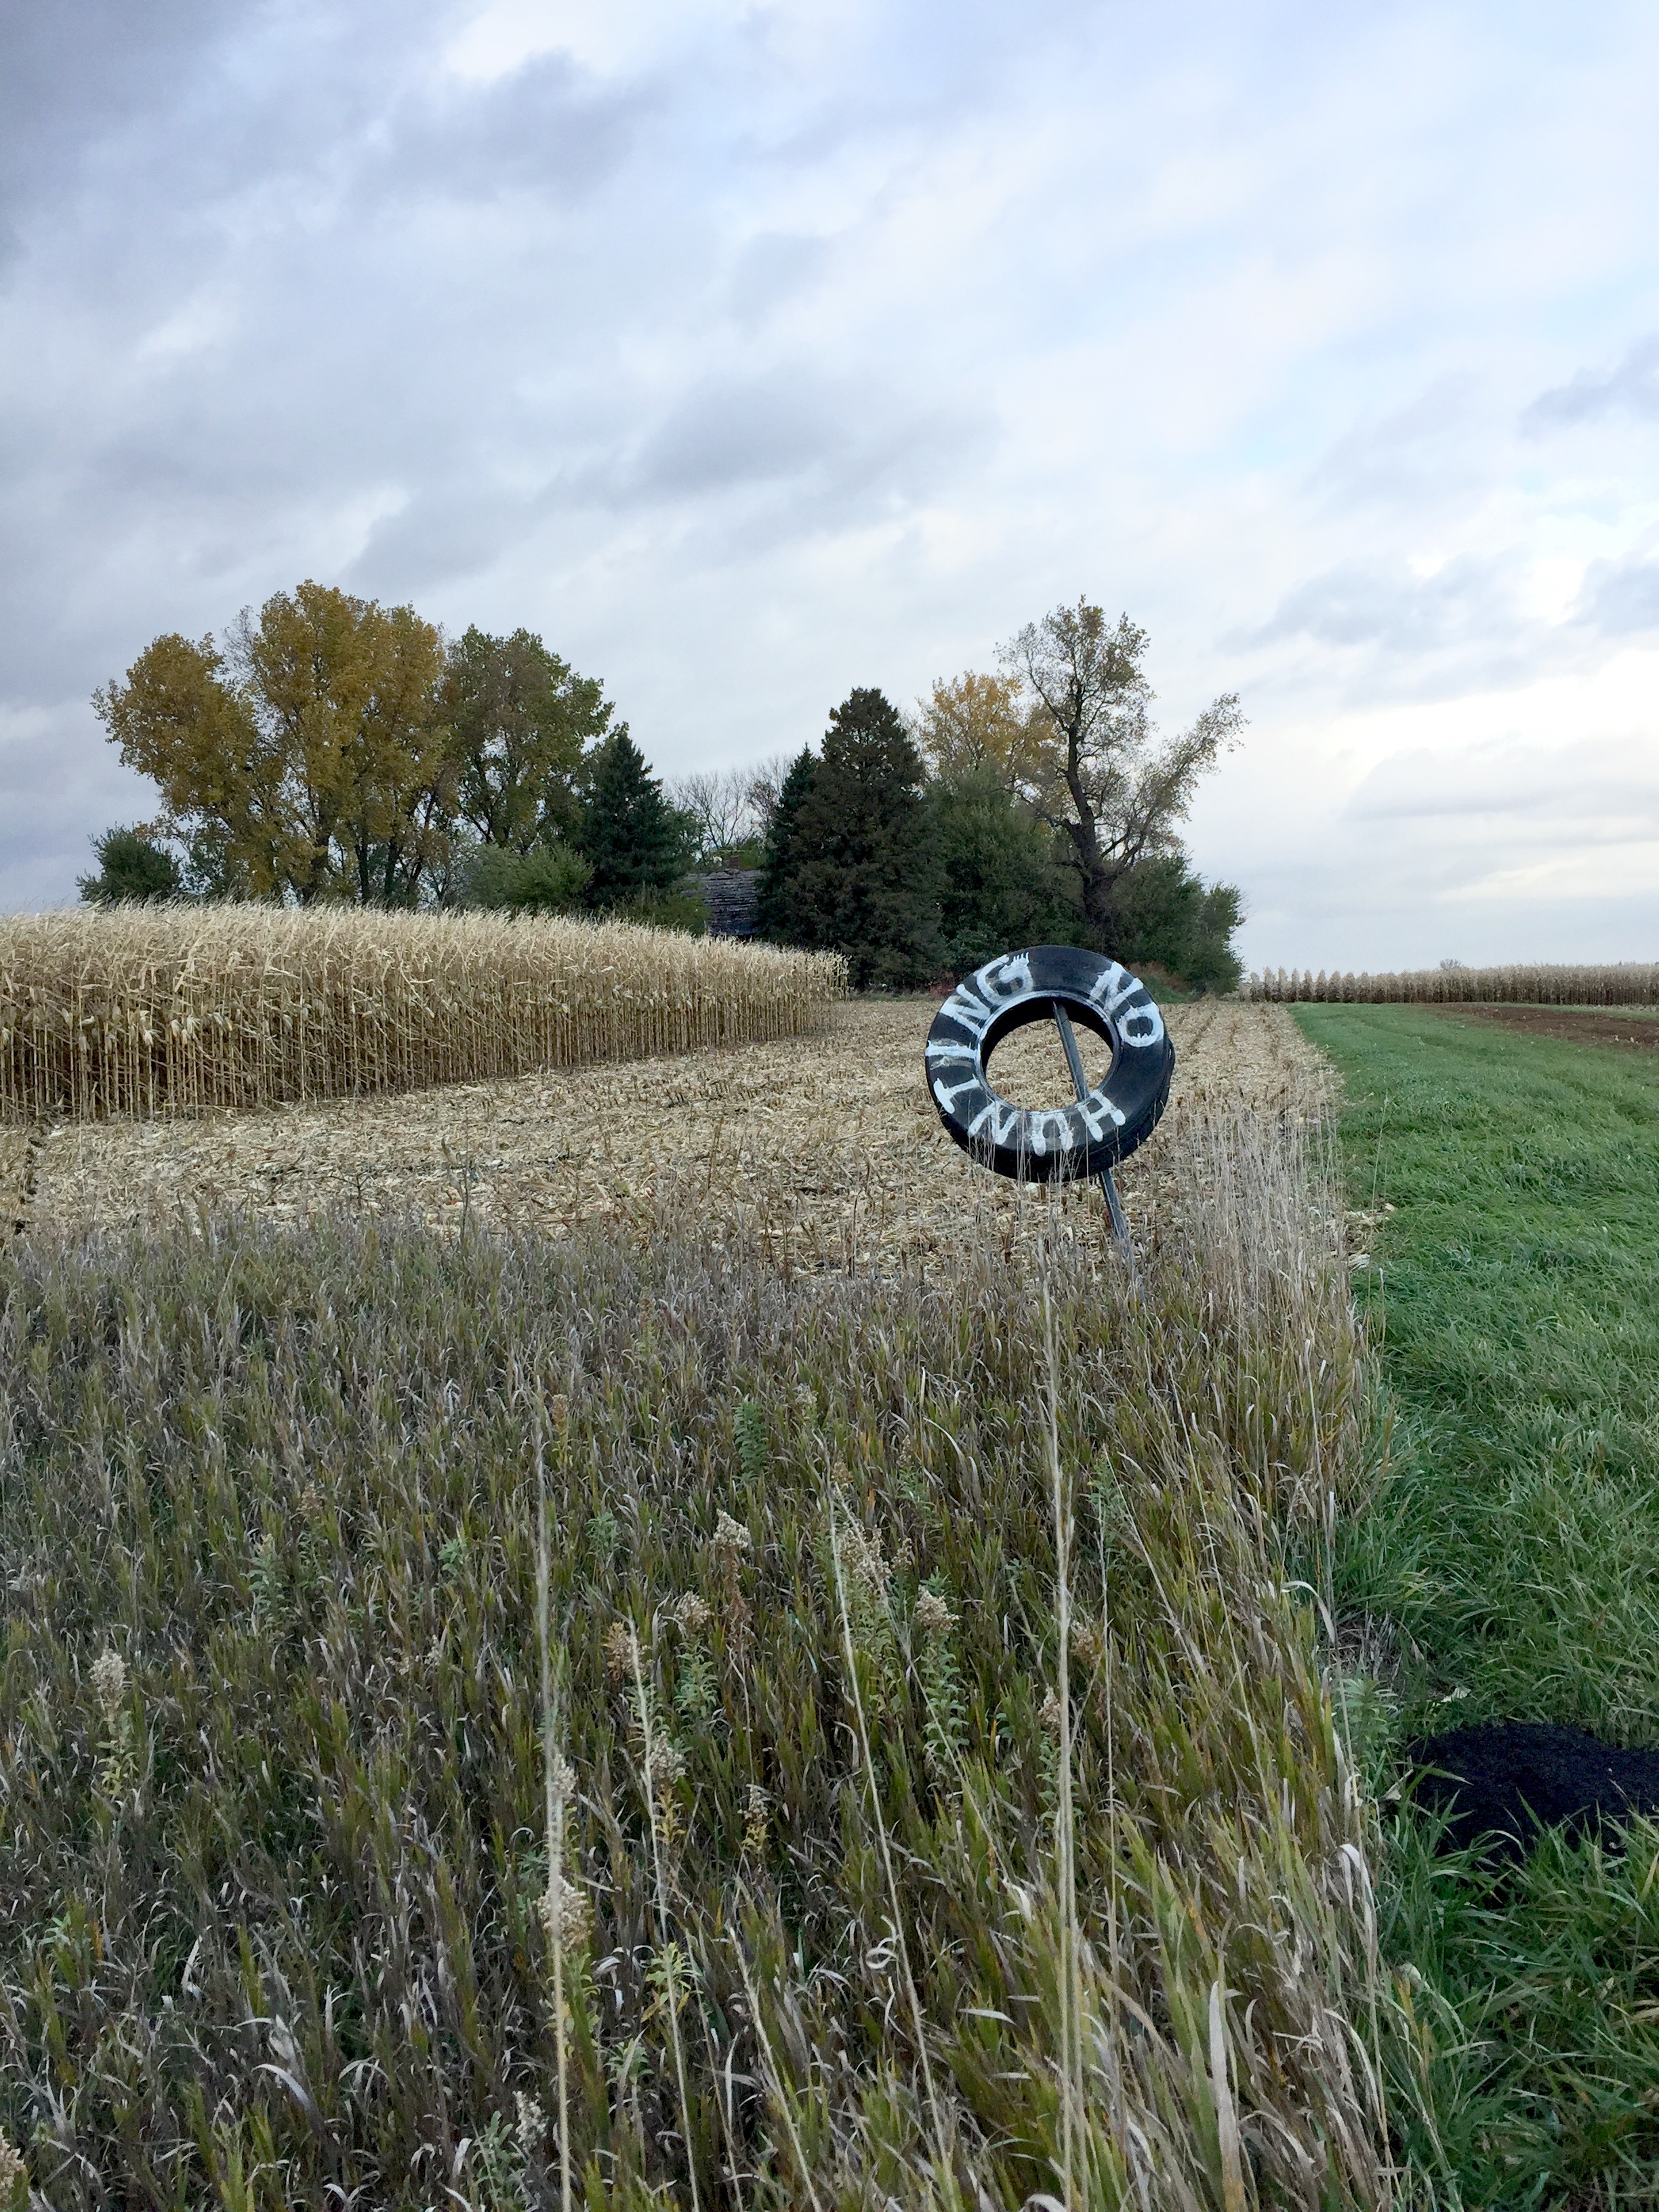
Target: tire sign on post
x: 1087, y: 1138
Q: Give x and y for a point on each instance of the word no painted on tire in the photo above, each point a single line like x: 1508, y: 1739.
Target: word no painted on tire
x: 1050, y: 1144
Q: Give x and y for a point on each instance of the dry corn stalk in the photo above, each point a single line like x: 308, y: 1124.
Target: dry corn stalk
x: 1622, y: 983
x: 141, y: 1010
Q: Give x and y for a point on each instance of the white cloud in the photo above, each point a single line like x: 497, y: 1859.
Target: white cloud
x: 751, y: 352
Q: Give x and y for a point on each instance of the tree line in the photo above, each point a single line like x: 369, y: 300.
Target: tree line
x: 333, y: 749
x: 1037, y: 805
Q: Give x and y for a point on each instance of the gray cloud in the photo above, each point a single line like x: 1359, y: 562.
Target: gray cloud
x: 79, y: 70
x: 55, y: 789
x: 1609, y: 794
x: 543, y: 130
x: 1632, y: 388
x: 1463, y: 626
x: 747, y: 431
x: 1398, y: 633
x: 1620, y: 599
x: 1423, y: 455
x: 442, y: 534
x: 1383, y: 604
x: 850, y: 436
x: 775, y: 267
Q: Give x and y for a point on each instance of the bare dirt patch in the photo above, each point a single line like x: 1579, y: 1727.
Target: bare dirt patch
x: 1627, y: 1025
x: 829, y: 1144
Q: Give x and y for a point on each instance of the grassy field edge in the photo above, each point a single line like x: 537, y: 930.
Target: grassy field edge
x: 1507, y: 1190
x: 273, y: 1833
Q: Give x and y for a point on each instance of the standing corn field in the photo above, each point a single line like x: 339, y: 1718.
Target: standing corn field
x: 1623, y: 983
x: 142, y: 1010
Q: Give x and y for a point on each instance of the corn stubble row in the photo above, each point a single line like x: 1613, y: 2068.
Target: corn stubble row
x: 142, y: 1010
x: 1623, y: 983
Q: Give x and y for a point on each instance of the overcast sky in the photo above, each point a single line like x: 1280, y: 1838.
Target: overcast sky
x: 750, y: 352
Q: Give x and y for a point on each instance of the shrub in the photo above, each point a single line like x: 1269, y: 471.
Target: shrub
x: 132, y: 869
x: 547, y: 879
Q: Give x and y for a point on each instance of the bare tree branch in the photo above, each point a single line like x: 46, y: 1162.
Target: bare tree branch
x: 730, y: 805
x: 1101, y: 776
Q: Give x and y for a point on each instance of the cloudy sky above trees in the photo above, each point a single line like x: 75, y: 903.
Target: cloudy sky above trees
x: 750, y: 352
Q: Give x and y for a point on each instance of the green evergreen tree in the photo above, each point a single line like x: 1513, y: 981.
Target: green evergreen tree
x: 863, y: 881
x: 634, y: 840
x: 131, y: 868
x: 775, y: 899
x: 999, y: 886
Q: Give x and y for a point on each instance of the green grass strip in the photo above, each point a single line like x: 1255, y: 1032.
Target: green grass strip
x: 1511, y: 1568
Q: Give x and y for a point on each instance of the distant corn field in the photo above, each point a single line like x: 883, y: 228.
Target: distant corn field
x: 145, y: 1010
x: 1627, y: 983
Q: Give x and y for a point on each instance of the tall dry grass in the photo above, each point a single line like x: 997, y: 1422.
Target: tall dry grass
x: 926, y: 1790
x: 1621, y: 984
x: 141, y: 1010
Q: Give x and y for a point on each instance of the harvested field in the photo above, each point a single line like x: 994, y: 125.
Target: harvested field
x: 827, y: 1143
x: 1635, y: 1025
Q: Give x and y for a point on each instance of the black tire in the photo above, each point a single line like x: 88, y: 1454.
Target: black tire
x: 1057, y: 1144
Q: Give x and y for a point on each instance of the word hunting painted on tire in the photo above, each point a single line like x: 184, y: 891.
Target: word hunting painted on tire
x: 1050, y: 1144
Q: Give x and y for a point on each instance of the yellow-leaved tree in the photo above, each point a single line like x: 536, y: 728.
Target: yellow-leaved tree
x: 309, y: 758
x: 974, y: 725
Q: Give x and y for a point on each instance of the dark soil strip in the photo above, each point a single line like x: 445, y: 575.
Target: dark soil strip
x: 1592, y: 1026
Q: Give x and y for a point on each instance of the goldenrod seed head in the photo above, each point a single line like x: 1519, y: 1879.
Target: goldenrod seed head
x: 109, y: 1682
x: 754, y: 1819
x: 862, y: 1560
x: 531, y: 2129
x: 731, y: 1541
x: 692, y: 1614
x: 667, y: 1764
x: 933, y: 1616
x: 568, y: 1914
x: 619, y: 1651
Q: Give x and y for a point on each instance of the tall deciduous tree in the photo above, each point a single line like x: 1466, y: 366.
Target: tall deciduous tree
x: 523, y: 723
x: 400, y: 796
x: 766, y: 782
x: 634, y: 839
x: 980, y: 725
x: 1104, y: 780
x: 310, y: 759
x: 862, y: 879
x: 1165, y: 914
x: 181, y: 719
x: 721, y: 802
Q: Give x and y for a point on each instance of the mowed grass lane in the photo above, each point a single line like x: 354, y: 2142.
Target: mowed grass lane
x: 1512, y: 1561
